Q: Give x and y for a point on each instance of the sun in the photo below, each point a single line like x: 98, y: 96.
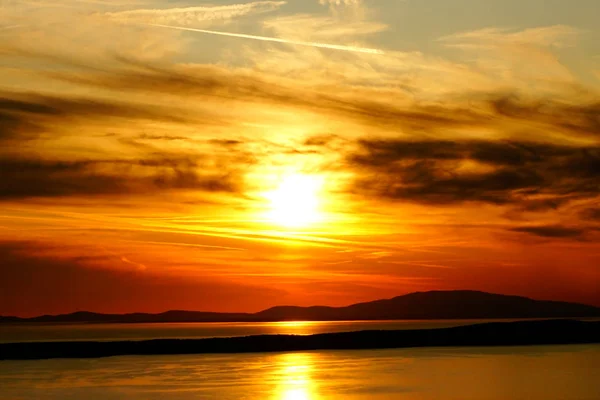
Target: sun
x: 295, y: 203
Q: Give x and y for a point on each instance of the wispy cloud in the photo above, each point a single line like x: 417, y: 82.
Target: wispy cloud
x: 194, y: 15
x: 340, y: 2
x: 526, y: 56
x: 316, y: 28
x: 547, y: 36
x: 552, y: 231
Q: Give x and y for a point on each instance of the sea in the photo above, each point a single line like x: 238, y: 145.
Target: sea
x: 482, y: 373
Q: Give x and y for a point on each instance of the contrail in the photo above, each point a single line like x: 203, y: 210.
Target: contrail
x: 278, y: 40
x: 9, y: 27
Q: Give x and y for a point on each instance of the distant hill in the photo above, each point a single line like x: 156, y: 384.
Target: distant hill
x: 169, y: 316
x: 460, y: 304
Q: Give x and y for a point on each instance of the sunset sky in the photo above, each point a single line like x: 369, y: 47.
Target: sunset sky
x: 229, y: 156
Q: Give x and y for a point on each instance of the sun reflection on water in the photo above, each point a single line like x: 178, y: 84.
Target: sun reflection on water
x: 296, y: 327
x: 294, y: 377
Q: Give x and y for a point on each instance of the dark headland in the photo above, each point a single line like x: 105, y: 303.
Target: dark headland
x: 520, y: 333
x: 461, y: 304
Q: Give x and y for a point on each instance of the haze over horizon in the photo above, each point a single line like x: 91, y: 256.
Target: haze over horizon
x: 231, y: 156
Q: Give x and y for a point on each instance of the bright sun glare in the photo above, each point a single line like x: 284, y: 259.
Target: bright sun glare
x: 295, y: 202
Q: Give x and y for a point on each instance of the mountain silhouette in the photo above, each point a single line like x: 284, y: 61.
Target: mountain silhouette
x: 460, y: 304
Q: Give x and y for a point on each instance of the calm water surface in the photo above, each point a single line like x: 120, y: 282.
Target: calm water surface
x: 69, y: 332
x: 520, y: 373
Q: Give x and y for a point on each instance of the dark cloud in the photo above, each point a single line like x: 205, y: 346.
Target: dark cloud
x: 581, y: 119
x: 591, y: 214
x: 35, y: 171
x: 21, y: 178
x: 552, y: 231
x: 228, y: 143
x: 328, y: 143
x: 9, y: 105
x: 146, y: 136
x: 521, y: 174
x: 27, y: 113
x: 554, y: 203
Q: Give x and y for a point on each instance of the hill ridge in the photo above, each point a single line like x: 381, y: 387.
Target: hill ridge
x: 436, y: 304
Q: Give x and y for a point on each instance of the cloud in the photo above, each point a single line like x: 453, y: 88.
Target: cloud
x: 592, y: 213
x: 340, y: 2
x: 546, y: 36
x: 29, y: 113
x: 30, y: 121
x: 193, y: 15
x: 570, y: 114
x: 34, y: 118
x: 552, y: 231
x: 158, y: 145
x: 529, y: 161
x: 524, y: 56
x: 23, y: 178
x: 308, y: 27
x: 526, y: 175
x: 524, y: 150
x: 574, y: 118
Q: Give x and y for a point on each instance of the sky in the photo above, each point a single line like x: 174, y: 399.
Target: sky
x: 232, y: 156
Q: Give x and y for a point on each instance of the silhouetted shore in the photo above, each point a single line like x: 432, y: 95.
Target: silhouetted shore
x: 488, y: 334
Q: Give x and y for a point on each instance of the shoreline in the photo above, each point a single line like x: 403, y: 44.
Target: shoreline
x: 520, y: 333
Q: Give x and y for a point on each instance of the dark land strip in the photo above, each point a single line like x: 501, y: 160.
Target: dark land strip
x: 522, y: 333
